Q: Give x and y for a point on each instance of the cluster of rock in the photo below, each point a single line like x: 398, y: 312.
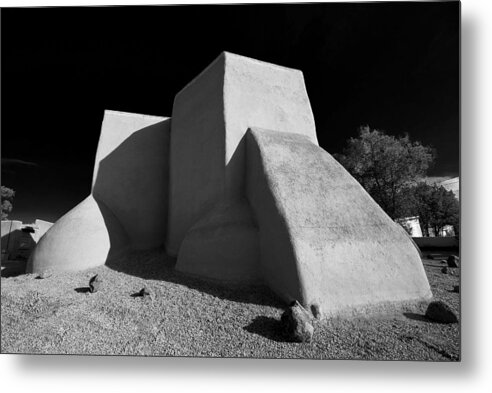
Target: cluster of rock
x: 439, y: 311
x: 95, y: 284
x: 453, y: 262
x: 297, y: 323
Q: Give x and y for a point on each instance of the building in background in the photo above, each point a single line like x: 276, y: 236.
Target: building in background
x: 19, y: 239
x: 453, y: 185
x: 449, y: 183
x: 412, y: 224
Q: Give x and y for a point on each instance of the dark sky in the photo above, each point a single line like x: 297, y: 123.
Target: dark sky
x: 394, y: 66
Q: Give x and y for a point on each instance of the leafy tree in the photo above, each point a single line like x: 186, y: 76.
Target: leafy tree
x: 435, y: 206
x: 386, y: 165
x: 7, y: 199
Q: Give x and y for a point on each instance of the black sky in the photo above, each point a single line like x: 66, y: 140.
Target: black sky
x: 394, y: 66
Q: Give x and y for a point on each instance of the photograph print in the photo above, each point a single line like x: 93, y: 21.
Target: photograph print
x: 240, y: 181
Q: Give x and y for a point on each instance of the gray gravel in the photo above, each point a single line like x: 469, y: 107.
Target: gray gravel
x: 190, y: 317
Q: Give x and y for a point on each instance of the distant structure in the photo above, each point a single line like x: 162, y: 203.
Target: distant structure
x: 18, y: 239
x: 412, y: 224
x: 237, y: 188
x: 453, y: 185
x: 413, y: 228
x: 449, y: 183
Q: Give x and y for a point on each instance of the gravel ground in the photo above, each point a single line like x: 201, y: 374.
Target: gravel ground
x: 189, y: 317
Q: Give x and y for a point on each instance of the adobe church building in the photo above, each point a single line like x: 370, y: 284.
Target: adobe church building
x: 236, y: 187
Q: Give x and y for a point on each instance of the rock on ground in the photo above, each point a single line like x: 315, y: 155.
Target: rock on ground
x: 296, y: 323
x: 95, y: 284
x: 440, y: 312
x: 316, y: 310
x: 45, y: 274
x: 453, y: 261
x: 143, y: 292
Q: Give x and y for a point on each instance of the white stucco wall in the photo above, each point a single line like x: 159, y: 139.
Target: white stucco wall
x: 323, y: 239
x: 85, y: 237
x: 41, y: 227
x: 210, y: 118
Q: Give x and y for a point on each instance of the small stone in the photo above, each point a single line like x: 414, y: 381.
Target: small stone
x: 316, y: 311
x: 44, y: 274
x: 444, y: 270
x: 444, y: 261
x: 439, y: 311
x: 95, y: 284
x: 296, y: 323
x: 143, y: 292
x: 453, y: 261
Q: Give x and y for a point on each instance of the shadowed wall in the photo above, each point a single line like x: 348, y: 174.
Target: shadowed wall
x: 128, y: 204
x: 131, y: 174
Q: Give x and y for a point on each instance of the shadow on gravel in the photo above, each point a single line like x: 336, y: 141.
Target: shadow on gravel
x: 417, y: 317
x: 157, y: 265
x: 82, y: 290
x: 267, y: 327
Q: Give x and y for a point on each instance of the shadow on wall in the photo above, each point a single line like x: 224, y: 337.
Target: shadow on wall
x: 141, y: 163
x: 127, y: 207
x: 118, y: 238
x: 132, y: 181
x: 17, y: 245
x: 18, y: 242
x: 8, y: 240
